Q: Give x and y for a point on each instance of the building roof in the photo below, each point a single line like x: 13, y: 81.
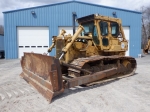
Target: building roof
x: 73, y: 2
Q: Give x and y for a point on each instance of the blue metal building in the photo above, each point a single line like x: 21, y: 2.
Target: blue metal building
x: 50, y: 18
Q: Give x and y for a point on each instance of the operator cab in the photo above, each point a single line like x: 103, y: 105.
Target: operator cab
x: 95, y: 23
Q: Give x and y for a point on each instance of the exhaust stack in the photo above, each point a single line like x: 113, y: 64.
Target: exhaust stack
x: 73, y: 21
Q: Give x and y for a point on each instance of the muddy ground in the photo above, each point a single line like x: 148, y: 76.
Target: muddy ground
x: 130, y: 94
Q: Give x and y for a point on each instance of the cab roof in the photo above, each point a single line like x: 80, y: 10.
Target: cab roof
x: 93, y: 17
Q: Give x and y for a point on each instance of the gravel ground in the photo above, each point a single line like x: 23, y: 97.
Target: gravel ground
x: 130, y: 94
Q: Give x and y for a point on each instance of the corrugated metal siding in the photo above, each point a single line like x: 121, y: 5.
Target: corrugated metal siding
x: 61, y: 15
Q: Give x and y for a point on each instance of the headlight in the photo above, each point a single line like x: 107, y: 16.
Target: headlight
x: 122, y: 45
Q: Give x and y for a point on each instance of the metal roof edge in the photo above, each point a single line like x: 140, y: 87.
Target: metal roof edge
x: 38, y: 6
x: 75, y: 2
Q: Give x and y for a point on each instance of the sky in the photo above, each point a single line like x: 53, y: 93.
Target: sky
x: 7, y: 5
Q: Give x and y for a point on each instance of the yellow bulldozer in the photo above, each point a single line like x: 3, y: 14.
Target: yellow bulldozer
x: 147, y: 47
x: 96, y: 52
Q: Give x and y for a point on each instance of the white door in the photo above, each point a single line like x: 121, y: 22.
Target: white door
x: 32, y: 39
x: 127, y: 36
x: 69, y: 30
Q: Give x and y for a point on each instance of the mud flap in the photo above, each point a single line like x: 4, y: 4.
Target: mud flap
x: 44, y: 73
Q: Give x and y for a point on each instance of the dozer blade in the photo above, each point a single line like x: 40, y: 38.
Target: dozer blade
x: 44, y: 73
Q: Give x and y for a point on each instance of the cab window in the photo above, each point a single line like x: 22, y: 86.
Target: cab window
x: 114, y: 29
x: 89, y: 27
x: 104, y: 28
x: 95, y: 36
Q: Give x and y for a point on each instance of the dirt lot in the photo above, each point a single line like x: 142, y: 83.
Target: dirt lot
x: 130, y: 94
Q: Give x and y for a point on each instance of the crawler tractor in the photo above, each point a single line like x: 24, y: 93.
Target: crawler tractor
x: 95, y: 53
x: 147, y: 47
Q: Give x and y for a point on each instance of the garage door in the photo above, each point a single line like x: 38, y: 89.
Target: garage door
x: 32, y: 39
x: 126, y: 31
